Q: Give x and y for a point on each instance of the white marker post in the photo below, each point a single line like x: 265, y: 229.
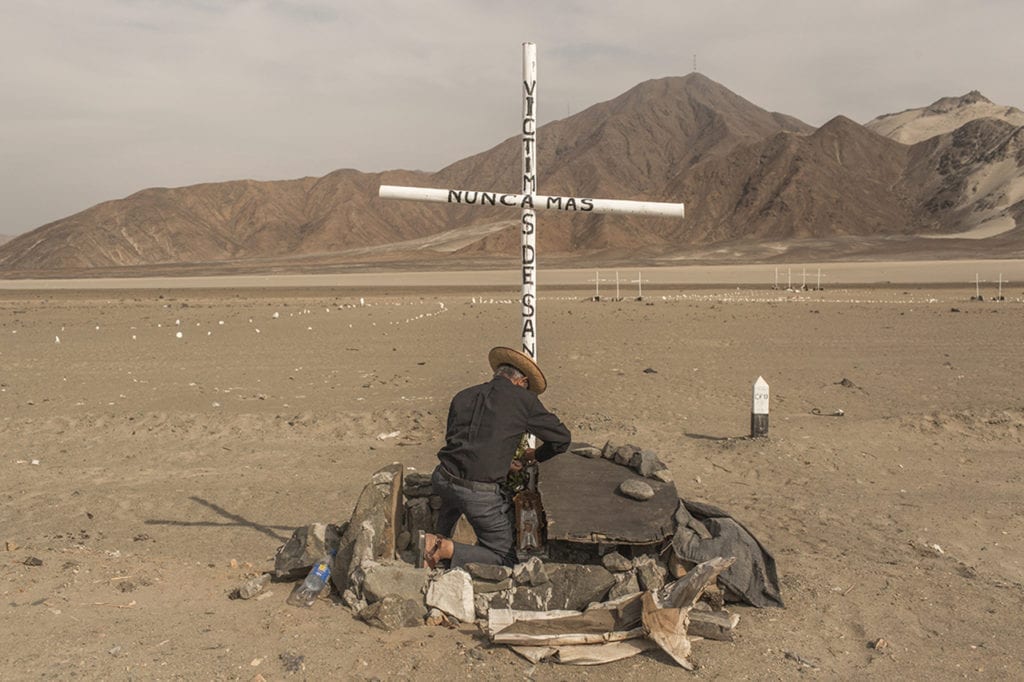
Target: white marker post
x: 597, y: 285
x: 528, y: 219
x: 977, y: 289
x: 639, y: 282
x: 759, y: 410
x: 529, y: 202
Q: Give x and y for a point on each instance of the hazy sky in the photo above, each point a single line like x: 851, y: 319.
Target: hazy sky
x: 101, y: 98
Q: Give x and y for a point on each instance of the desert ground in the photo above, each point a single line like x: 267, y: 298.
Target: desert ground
x: 159, y: 442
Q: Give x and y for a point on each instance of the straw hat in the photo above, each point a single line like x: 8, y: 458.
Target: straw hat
x: 521, y: 361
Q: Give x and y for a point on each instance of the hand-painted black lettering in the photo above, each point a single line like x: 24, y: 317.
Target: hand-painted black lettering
x: 587, y: 204
x: 488, y: 198
x: 529, y: 310
x: 530, y: 87
x: 470, y: 197
x: 454, y: 196
x: 529, y: 254
x: 528, y: 201
x: 507, y: 199
x: 555, y: 202
x: 529, y: 184
x: 528, y: 274
x: 570, y: 204
x: 527, y: 223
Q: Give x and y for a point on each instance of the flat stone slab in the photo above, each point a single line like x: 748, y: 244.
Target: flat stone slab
x: 582, y: 503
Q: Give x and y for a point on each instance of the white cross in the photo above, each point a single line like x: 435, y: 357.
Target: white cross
x: 597, y: 284
x: 639, y: 282
x: 529, y: 201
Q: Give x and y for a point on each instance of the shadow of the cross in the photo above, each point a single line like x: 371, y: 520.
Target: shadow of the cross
x: 234, y: 520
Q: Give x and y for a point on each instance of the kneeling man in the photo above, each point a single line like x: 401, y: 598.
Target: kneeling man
x: 485, y: 426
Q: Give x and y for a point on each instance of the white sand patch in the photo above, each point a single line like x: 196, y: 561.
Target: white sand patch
x: 910, y: 127
x: 989, y: 228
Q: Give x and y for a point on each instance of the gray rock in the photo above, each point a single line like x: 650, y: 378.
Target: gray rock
x: 417, y: 485
x: 614, y: 561
x: 418, y: 516
x: 646, y: 462
x: 372, y: 528
x: 402, y: 580
x: 625, y: 583
x: 624, y: 455
x: 636, y: 489
x: 524, y: 598
x: 353, y: 601
x: 251, y: 587
x: 305, y: 547
x: 482, y: 604
x: 608, y: 451
x: 491, y: 572
x: 436, y: 617
x: 649, y: 572
x: 452, y: 592
x: 402, y: 541
x: 486, y: 587
x: 435, y: 502
x: 663, y: 475
x: 393, y: 612
x: 530, y: 572
x: 587, y: 451
x: 575, y: 586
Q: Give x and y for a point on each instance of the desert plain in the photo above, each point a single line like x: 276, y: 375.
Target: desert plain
x: 159, y: 443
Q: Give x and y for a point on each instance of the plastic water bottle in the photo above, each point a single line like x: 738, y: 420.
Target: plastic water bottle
x: 306, y: 592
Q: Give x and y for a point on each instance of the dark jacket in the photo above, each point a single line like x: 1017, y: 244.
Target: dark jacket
x: 485, y: 425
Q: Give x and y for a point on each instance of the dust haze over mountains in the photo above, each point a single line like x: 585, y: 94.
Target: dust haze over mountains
x: 942, y: 181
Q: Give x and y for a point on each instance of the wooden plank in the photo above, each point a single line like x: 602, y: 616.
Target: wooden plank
x: 596, y: 654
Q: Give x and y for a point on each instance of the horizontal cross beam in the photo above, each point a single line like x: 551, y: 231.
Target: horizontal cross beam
x: 534, y: 201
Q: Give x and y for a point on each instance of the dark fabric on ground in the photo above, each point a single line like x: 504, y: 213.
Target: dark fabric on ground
x: 705, y: 532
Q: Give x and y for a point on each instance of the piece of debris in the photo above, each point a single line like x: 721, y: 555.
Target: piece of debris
x: 650, y: 370
x: 33, y: 561
x: 292, y: 662
x: 452, y: 592
x: 615, y: 562
x: 251, y: 587
x: 800, y: 659
x: 879, y: 644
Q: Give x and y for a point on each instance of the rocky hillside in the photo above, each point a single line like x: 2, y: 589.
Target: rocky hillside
x: 747, y: 175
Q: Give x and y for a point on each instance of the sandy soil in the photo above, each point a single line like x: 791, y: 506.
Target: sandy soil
x: 152, y: 473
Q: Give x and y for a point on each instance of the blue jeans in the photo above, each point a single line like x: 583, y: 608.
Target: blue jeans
x: 490, y: 514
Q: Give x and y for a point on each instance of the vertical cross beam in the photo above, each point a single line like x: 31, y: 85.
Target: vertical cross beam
x: 528, y: 219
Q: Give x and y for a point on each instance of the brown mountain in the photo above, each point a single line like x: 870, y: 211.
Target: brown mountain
x: 836, y: 181
x: 747, y: 176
